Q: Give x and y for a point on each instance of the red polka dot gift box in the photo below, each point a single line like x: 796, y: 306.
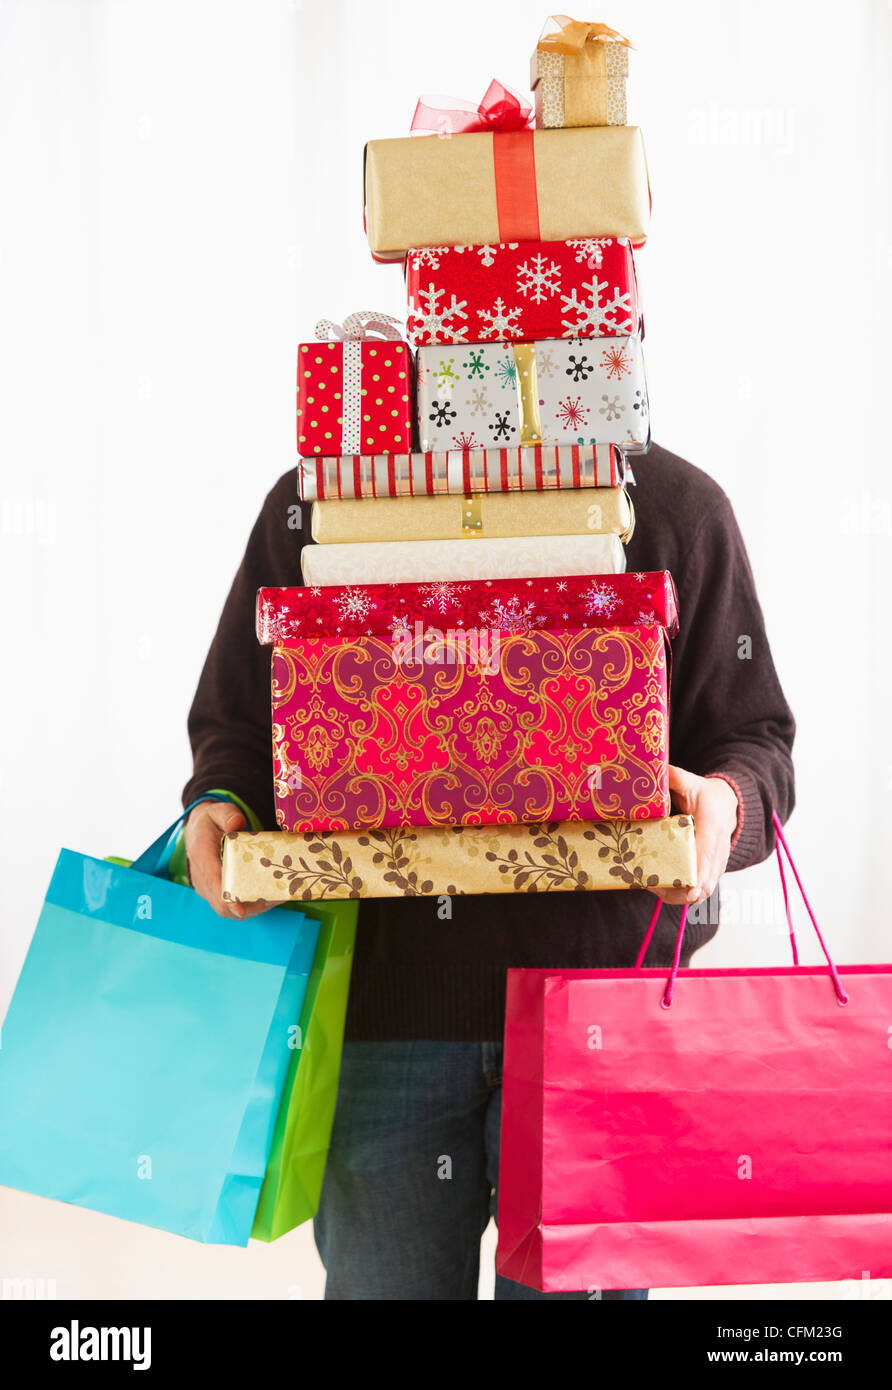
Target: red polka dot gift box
x: 354, y: 389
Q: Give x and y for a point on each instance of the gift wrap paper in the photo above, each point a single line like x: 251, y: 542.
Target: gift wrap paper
x: 585, y: 88
x: 430, y: 191
x: 354, y: 397
x: 604, y: 511
x: 504, y: 605
x: 470, y: 728
x: 472, y: 470
x: 430, y: 862
x: 535, y: 289
x: 557, y: 391
x: 518, y: 557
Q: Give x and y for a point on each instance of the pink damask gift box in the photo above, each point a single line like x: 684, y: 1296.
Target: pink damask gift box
x: 470, y: 728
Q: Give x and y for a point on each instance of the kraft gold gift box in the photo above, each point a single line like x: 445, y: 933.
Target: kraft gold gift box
x: 431, y: 191
x: 599, y: 511
x: 425, y: 861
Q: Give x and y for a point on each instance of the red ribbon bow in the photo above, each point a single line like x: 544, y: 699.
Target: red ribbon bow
x: 500, y: 110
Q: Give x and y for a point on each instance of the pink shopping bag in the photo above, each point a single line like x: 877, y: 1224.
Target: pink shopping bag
x: 712, y: 1127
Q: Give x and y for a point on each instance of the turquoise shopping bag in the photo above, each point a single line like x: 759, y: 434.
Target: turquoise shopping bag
x: 146, y: 1048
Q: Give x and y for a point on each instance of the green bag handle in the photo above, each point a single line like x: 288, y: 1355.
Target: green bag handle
x: 173, y: 861
x: 178, y: 870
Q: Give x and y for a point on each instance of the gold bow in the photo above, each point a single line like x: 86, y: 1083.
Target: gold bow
x: 576, y: 33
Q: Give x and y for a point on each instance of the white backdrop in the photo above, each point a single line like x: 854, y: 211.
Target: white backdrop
x: 181, y: 195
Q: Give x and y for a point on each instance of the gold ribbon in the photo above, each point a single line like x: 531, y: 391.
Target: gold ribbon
x: 630, y: 529
x: 527, y: 393
x: 576, y: 33
x: 472, y: 514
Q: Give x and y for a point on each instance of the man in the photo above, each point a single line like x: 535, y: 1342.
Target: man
x: 413, y: 1168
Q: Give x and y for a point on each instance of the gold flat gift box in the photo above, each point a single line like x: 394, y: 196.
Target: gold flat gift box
x: 579, y: 75
x: 425, y: 861
x: 426, y: 190
x: 600, y: 511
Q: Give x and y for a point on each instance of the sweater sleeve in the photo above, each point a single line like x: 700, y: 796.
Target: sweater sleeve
x: 230, y: 726
x: 731, y: 719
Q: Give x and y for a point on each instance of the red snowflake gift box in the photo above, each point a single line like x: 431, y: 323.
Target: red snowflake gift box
x: 354, y: 389
x: 552, y: 391
x: 470, y: 704
x: 527, y: 289
x: 512, y: 605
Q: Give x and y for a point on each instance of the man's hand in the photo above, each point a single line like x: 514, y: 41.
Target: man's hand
x: 712, y: 803
x: 205, y: 829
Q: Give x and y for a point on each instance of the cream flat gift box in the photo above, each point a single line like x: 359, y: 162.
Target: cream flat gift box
x: 515, y: 557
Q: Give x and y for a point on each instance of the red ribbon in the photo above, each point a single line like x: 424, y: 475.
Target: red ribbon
x: 517, y: 199
x: 501, y: 113
x: 501, y: 109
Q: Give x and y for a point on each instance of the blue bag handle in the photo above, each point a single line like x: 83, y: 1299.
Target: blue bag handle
x: 156, y: 859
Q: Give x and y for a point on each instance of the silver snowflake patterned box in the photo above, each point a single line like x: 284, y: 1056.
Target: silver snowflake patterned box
x: 557, y: 391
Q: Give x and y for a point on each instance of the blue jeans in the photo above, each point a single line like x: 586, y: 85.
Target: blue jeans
x: 412, y: 1174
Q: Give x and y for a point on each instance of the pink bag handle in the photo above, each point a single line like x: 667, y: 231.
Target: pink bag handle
x: 666, y: 1001
x: 841, y: 995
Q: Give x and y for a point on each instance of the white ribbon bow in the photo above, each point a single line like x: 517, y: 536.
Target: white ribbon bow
x: 365, y: 323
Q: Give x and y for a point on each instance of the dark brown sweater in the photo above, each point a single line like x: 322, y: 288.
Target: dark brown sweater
x: 416, y: 976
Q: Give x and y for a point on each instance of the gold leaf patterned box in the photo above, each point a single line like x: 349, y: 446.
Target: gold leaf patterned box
x: 278, y: 867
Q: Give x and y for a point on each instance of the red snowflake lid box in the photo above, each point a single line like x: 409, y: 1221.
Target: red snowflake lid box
x: 522, y: 290
x: 641, y: 598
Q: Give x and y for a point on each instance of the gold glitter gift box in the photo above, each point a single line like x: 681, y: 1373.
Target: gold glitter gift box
x: 577, y: 511
x: 579, y: 75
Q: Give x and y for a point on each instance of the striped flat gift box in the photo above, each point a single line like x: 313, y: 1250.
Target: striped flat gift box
x: 532, y: 467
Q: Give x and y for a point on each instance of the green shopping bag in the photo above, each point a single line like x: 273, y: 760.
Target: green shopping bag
x: 296, y: 1164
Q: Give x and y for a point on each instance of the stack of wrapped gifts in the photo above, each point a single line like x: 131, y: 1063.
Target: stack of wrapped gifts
x: 471, y: 695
